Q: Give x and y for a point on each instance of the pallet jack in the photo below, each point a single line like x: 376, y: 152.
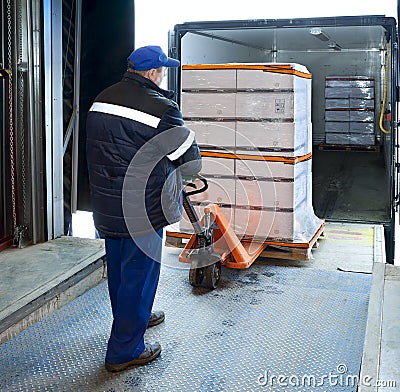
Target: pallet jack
x: 214, y: 242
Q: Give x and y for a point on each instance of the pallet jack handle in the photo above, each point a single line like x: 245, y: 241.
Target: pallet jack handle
x: 193, y: 185
x: 242, y: 254
x: 203, y: 233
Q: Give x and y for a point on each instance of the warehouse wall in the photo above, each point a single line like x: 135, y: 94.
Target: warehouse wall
x: 108, y: 32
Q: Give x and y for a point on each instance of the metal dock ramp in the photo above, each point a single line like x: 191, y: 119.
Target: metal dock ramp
x: 269, y: 328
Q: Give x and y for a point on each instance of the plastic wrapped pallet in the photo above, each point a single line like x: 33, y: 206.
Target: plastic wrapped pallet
x: 349, y: 110
x: 253, y: 125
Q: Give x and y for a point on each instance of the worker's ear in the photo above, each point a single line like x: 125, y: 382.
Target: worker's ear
x: 151, y: 74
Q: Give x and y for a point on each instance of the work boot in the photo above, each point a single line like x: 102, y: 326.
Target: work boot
x: 150, y: 352
x: 156, y: 318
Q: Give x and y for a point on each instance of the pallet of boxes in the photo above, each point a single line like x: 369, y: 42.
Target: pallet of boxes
x: 253, y: 126
x: 349, y: 113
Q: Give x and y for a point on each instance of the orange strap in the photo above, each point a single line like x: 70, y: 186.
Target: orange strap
x: 289, y: 160
x: 276, y: 68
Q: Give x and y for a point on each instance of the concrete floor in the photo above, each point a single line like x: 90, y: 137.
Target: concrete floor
x: 389, y: 369
x: 38, y: 279
x: 380, y: 371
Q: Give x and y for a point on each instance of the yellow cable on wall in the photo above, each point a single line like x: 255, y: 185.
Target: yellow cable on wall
x: 384, y: 93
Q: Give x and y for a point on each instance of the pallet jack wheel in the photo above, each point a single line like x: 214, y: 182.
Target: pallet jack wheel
x: 212, y: 275
x: 196, y: 276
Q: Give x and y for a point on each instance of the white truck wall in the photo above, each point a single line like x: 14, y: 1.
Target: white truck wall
x: 198, y: 49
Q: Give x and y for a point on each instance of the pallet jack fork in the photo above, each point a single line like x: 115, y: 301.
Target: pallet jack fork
x: 214, y: 243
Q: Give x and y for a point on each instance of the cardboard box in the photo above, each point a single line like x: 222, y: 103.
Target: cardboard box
x: 337, y: 127
x: 362, y: 115
x: 360, y: 103
x: 362, y: 92
x: 337, y: 115
x: 336, y: 82
x: 220, y: 190
x: 259, y: 79
x: 361, y: 127
x: 286, y: 139
x: 337, y: 103
x: 337, y: 92
x: 208, y: 105
x: 297, y: 226
x: 268, y: 169
x: 220, y: 135
x: 272, y: 105
x: 362, y: 139
x: 338, y: 138
x: 218, y: 167
x: 272, y: 194
x: 264, y: 225
x: 208, y: 79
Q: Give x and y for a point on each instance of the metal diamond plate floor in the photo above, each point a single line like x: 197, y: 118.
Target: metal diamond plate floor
x: 269, y: 328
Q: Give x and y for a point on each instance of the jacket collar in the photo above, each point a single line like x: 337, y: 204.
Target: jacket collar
x: 148, y: 84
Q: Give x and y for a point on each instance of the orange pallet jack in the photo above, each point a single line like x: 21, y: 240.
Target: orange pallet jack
x: 214, y: 243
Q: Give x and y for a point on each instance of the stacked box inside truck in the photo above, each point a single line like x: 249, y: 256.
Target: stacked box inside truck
x: 349, y: 110
x: 253, y: 125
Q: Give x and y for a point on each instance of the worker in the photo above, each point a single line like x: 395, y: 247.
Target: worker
x: 138, y: 149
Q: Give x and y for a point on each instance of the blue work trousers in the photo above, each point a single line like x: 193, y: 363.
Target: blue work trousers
x: 133, y: 270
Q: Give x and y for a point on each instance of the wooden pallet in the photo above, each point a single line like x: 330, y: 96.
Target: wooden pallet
x: 274, y: 249
x: 173, y: 240
x: 286, y: 253
x: 348, y: 147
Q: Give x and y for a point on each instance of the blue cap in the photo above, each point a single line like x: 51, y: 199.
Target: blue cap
x: 148, y: 57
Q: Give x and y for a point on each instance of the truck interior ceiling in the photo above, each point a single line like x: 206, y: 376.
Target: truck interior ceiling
x: 352, y: 183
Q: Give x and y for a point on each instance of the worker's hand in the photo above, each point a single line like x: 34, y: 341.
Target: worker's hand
x: 189, y: 178
x: 189, y: 181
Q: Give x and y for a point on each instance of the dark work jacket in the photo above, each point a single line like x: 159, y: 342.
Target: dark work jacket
x: 137, y: 149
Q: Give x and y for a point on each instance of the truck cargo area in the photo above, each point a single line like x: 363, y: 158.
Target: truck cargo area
x: 298, y: 319
x: 350, y: 183
x: 350, y: 186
